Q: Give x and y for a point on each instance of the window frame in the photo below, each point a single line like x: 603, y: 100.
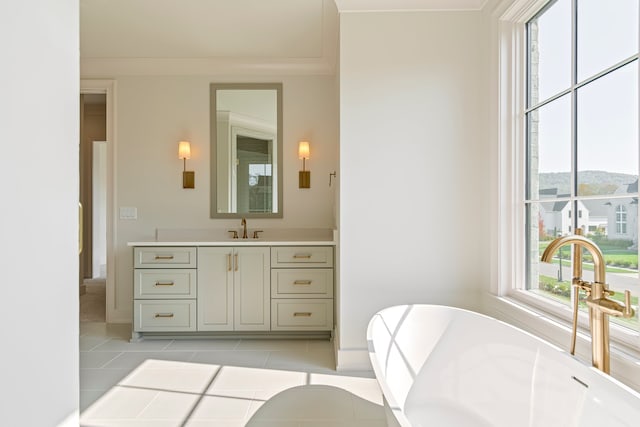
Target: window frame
x: 512, y: 87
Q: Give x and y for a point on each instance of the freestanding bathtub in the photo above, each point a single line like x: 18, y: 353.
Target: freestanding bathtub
x: 444, y: 366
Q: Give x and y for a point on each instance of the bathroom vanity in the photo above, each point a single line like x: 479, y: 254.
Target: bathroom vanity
x: 238, y: 286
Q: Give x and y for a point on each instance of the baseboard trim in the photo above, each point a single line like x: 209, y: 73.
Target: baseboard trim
x: 353, y: 359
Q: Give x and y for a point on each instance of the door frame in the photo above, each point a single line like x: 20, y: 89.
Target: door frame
x: 108, y: 88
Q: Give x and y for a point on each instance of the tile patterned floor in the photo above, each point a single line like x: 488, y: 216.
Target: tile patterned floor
x: 224, y: 382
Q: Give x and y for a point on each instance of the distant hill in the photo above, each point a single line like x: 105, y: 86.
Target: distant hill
x: 596, y: 182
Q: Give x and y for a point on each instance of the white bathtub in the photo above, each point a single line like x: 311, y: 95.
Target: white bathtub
x: 443, y: 366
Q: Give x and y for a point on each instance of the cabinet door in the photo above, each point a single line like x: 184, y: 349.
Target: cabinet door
x: 215, y: 289
x: 252, y: 289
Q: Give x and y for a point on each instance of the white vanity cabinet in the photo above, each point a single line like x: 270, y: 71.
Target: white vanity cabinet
x: 248, y: 286
x: 302, y: 288
x: 165, y: 289
x: 233, y: 288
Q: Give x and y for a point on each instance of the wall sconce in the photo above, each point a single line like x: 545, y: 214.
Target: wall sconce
x: 184, y: 152
x: 304, y: 176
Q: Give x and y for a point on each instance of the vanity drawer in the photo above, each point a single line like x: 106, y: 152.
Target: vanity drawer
x: 301, y: 314
x: 164, y: 257
x: 302, y: 283
x: 165, y: 283
x: 301, y: 256
x: 164, y: 315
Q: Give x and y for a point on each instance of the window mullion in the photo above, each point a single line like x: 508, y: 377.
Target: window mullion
x: 574, y: 106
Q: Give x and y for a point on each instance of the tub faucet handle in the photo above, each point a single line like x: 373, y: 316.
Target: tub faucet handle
x: 627, y: 311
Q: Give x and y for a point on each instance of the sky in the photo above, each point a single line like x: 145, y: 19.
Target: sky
x: 607, y: 119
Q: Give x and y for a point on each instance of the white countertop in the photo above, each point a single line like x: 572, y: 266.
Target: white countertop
x: 236, y: 242
x: 222, y: 237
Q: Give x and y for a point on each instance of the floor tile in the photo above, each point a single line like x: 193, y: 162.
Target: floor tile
x: 238, y: 378
x: 272, y: 344
x: 220, y: 407
x: 301, y: 359
x: 271, y: 423
x: 171, y: 405
x: 101, y: 379
x: 218, y: 423
x: 254, y: 359
x: 88, y: 343
x: 343, y: 423
x: 96, y: 359
x: 313, y: 345
x: 191, y: 380
x: 120, y: 403
x: 203, y: 344
x: 131, y: 360
x: 355, y: 374
x: 122, y: 345
x: 109, y: 422
x: 88, y: 397
x: 219, y: 382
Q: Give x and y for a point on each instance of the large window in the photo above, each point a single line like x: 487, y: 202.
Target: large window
x: 581, y: 119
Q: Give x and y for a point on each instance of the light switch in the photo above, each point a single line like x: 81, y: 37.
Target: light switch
x: 128, y: 213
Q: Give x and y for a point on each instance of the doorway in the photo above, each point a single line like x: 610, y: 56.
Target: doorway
x: 93, y: 199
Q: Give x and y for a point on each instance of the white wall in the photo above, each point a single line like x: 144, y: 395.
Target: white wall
x: 154, y: 113
x: 39, y: 219
x: 413, y: 166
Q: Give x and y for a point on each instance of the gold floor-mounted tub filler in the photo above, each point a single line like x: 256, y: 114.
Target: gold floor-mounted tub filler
x: 600, y: 306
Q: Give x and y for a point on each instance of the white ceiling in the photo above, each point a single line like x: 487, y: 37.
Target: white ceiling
x: 200, y: 36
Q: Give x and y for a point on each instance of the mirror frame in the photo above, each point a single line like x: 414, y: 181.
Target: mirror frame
x: 213, y: 121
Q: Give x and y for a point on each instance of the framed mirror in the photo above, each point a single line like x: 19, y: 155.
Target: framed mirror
x: 246, y: 150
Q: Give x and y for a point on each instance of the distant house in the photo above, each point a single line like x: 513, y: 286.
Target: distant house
x: 598, y: 216
x: 622, y: 215
x: 615, y: 218
x: 556, y: 217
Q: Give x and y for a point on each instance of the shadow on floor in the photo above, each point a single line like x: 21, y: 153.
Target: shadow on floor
x: 322, y: 404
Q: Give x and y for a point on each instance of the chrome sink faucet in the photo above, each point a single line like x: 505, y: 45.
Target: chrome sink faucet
x: 600, y: 307
x: 244, y: 228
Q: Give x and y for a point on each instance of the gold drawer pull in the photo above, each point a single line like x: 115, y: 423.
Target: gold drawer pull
x: 302, y: 314
x: 302, y: 282
x: 302, y: 256
x: 169, y: 283
x: 164, y: 256
x: 164, y: 315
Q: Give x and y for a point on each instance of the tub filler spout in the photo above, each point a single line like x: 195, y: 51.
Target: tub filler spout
x: 600, y: 306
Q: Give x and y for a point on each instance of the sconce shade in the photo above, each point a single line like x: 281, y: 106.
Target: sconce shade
x: 184, y: 150
x: 303, y: 150
x: 304, y: 176
x: 184, y: 153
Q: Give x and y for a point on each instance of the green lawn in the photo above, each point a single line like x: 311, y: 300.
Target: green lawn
x: 617, y: 260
